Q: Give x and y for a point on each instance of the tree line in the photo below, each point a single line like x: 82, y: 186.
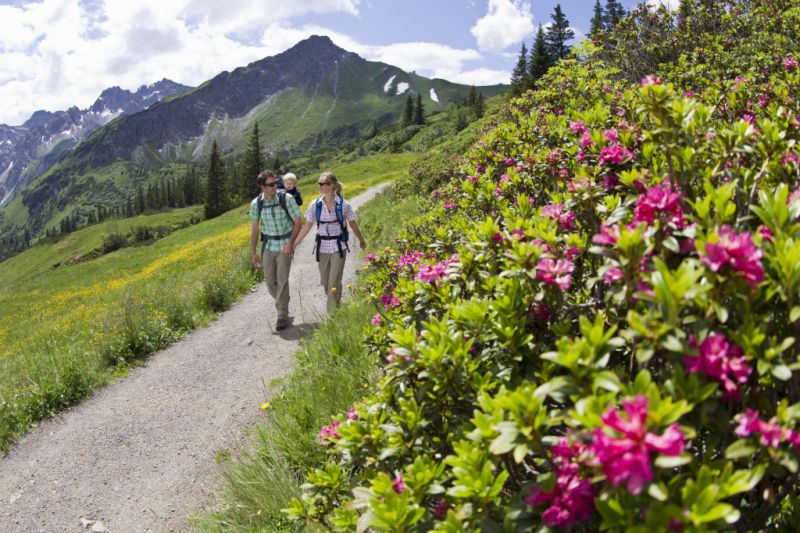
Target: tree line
x: 551, y: 45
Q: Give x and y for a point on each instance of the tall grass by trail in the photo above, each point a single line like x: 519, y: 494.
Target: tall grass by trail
x: 333, y: 371
x: 66, y: 331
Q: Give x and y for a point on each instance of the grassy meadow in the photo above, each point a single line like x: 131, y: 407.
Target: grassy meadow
x: 65, y: 331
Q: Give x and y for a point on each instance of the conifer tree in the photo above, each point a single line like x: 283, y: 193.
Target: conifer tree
x: 215, y: 184
x: 520, y: 73
x: 419, y: 111
x: 480, y: 106
x: 597, y: 21
x: 614, y: 13
x: 408, y: 112
x: 541, y: 60
x: 253, y: 164
x: 472, y: 95
x: 558, y: 34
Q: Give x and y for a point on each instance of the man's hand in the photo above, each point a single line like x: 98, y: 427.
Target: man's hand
x: 255, y: 259
x: 289, y: 249
x: 362, y: 243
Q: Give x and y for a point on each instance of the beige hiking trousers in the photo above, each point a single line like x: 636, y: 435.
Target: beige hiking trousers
x: 331, y: 268
x: 276, y: 275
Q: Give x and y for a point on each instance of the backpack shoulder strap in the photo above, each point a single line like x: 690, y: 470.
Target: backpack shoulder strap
x: 282, y: 201
x: 318, y: 210
x: 260, y: 203
x: 339, y: 206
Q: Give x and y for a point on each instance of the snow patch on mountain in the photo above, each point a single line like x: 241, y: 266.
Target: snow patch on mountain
x: 388, y: 84
x: 434, y: 96
x: 402, y: 87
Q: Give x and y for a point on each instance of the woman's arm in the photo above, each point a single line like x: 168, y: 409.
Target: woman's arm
x: 357, y: 231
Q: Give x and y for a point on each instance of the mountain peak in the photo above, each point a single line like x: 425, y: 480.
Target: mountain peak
x: 317, y: 44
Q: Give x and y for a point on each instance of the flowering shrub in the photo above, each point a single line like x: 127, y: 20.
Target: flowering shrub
x: 627, y: 367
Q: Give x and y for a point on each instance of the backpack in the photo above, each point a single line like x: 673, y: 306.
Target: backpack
x: 282, y: 202
x: 343, y: 237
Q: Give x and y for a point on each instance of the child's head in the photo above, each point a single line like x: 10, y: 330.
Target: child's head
x: 289, y: 180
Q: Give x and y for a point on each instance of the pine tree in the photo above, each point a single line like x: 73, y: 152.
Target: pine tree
x: 419, y: 111
x: 520, y: 72
x: 480, y: 106
x: 597, y: 21
x: 253, y: 164
x: 472, y: 96
x: 541, y: 60
x: 558, y: 34
x: 408, y: 112
x: 215, y: 184
x: 614, y: 13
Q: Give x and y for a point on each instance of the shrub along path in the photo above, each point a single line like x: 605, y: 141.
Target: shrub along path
x: 140, y: 454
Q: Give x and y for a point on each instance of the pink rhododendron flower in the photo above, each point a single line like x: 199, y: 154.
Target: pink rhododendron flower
x: 399, y: 484
x: 577, y: 127
x: 626, y: 458
x: 376, y: 320
x: 556, y: 272
x: 498, y: 237
x: 449, y: 204
x: 688, y: 94
x: 411, y: 259
x: 370, y: 258
x: 616, y: 154
x: 553, y: 157
x: 608, y: 235
x: 571, y: 499
x: 509, y: 161
x: 750, y: 119
x: 610, y: 181
x: 440, y: 509
x: 472, y: 178
x: 611, y: 135
x: 722, y: 361
x: 539, y: 311
x: 330, y: 432
x: 765, y: 233
x: 772, y: 434
x: 659, y: 201
x: 790, y: 63
x: 389, y: 301
x: 736, y: 251
x: 790, y: 157
x: 651, y: 80
x: 430, y: 273
x: 740, y: 80
x: 518, y: 233
x: 586, y: 140
x: 565, y: 219
x: 351, y: 414
x: 613, y: 274
x: 580, y: 156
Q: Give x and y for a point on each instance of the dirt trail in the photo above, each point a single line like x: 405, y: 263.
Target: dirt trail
x: 139, y: 454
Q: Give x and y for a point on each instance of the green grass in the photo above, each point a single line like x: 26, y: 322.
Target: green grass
x: 66, y: 331
x: 333, y: 371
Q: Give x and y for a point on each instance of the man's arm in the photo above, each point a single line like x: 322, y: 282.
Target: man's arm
x: 289, y: 248
x: 254, y: 233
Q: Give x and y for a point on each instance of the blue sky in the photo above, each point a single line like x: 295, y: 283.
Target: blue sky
x: 59, y: 53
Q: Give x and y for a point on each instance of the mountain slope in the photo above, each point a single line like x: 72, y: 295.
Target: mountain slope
x: 313, y: 94
x: 29, y: 150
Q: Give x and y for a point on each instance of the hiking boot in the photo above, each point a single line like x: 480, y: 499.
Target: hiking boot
x: 281, y: 324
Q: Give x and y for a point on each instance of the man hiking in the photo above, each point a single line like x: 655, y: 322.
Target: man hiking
x: 276, y: 218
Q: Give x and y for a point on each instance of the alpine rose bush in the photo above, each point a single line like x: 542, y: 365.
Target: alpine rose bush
x: 597, y: 353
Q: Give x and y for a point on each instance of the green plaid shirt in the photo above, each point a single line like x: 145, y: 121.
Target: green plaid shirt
x: 274, y: 220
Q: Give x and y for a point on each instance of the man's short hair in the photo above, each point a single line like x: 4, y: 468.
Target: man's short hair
x: 263, y: 175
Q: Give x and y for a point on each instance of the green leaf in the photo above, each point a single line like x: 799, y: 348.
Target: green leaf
x: 740, y: 448
x: 607, y: 380
x: 658, y: 491
x: 782, y: 372
x: 666, y: 461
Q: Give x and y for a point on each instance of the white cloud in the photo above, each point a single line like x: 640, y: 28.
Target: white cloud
x: 672, y: 5
x: 58, y: 53
x: 506, y: 23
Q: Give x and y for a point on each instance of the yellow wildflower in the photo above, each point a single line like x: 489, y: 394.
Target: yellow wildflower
x: 265, y: 406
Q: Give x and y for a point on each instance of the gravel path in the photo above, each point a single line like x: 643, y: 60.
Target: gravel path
x: 139, y: 454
